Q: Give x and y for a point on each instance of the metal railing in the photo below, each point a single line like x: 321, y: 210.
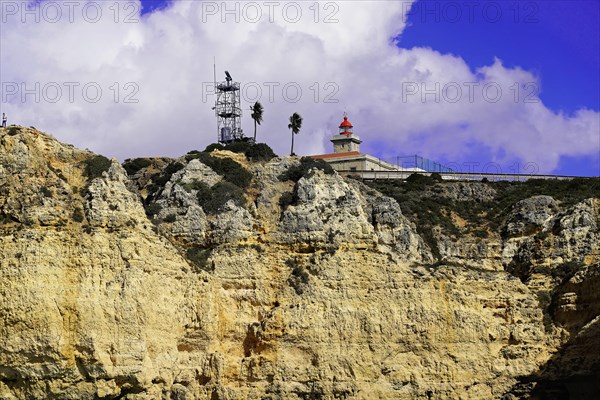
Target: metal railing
x: 456, y: 176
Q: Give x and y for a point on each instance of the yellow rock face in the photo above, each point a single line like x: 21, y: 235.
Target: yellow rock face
x: 308, y: 302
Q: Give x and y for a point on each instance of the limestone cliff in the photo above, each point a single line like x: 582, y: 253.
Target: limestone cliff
x: 213, y: 277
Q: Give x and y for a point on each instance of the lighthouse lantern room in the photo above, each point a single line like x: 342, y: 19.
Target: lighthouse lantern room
x: 346, y: 141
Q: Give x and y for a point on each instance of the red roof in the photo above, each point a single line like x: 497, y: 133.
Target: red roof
x: 335, y: 155
x: 346, y: 123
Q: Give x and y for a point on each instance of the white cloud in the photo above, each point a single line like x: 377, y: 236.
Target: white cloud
x: 168, y: 55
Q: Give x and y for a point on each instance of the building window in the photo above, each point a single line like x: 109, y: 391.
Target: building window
x: 352, y: 169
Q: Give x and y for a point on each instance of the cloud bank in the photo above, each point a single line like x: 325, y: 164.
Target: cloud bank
x: 103, y: 77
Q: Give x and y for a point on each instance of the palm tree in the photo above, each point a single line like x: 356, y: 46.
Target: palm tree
x: 257, y: 115
x: 295, y: 125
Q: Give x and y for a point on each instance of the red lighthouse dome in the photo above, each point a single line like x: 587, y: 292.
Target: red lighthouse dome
x: 346, y: 127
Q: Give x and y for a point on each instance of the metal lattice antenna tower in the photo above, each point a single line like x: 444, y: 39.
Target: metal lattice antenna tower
x: 228, y: 110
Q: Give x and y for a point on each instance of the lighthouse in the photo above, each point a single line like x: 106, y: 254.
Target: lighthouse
x: 346, y: 156
x: 346, y: 140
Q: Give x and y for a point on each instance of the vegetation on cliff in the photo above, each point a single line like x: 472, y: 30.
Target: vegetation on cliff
x: 482, y: 211
x: 253, y: 151
x: 133, y: 166
x: 96, y: 165
x: 307, y: 164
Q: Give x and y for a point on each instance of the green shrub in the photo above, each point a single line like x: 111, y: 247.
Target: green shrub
x: 300, y: 273
x: 260, y: 152
x: 194, y: 185
x: 211, y: 147
x: 238, y: 147
x: 233, y: 172
x: 45, y: 191
x: 170, y: 218
x: 213, y: 199
x: 152, y: 209
x: 192, y: 155
x: 153, y: 189
x: 296, y: 172
x: 159, y: 180
x: 230, y: 170
x: 4, y: 219
x: 173, y: 168
x: 544, y: 298
x: 480, y: 233
x: 254, y: 152
x: 286, y: 199
x: 203, y: 193
x: 133, y: 166
x: 421, y: 179
x: 436, y: 177
x: 95, y: 166
x: 78, y: 215
x: 198, y: 256
x: 565, y: 271
x: 426, y: 232
x: 298, y: 279
x: 13, y: 130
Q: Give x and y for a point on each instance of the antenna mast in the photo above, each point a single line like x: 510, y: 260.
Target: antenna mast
x: 215, y: 71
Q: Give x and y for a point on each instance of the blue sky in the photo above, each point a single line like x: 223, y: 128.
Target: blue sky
x: 378, y: 60
x: 148, y: 6
x: 559, y: 41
